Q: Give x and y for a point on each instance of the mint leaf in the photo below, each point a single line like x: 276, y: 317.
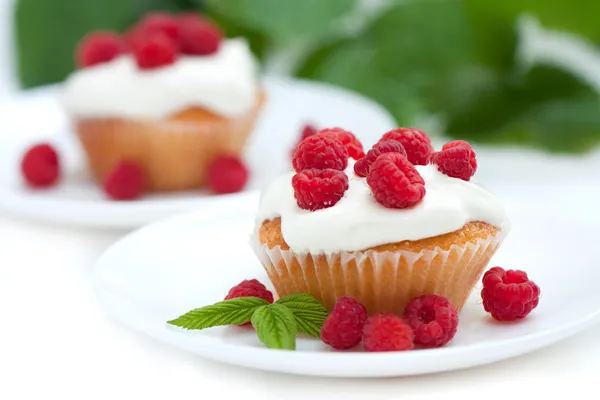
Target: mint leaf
x: 275, y: 326
x: 308, y: 313
x: 229, y: 312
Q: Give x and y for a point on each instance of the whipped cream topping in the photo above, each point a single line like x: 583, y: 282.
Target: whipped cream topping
x: 224, y: 83
x: 358, y: 222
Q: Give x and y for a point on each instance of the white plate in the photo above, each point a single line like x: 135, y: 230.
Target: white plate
x: 170, y: 267
x: 291, y: 103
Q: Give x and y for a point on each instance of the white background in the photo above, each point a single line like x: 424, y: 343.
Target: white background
x: 55, y: 341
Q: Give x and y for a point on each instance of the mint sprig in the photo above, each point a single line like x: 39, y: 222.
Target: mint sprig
x: 276, y: 324
x: 228, y: 312
x: 309, y: 314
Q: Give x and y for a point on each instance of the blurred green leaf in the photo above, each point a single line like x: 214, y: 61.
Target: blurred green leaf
x: 47, y: 33
x: 284, y: 20
x: 401, y: 59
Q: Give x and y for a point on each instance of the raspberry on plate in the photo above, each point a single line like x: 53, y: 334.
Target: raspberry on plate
x: 456, y: 159
x: 315, y: 189
x: 250, y: 288
x: 154, y: 51
x: 416, y: 143
x: 320, y: 152
x: 387, y: 332
x: 227, y: 174
x: 433, y: 319
x: 99, y: 47
x: 362, y: 166
x: 343, y: 327
x: 509, y: 295
x: 125, y: 182
x: 198, y: 36
x: 347, y: 138
x: 40, y: 166
x: 395, y: 182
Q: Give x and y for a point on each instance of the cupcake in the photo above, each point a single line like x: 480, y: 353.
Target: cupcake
x: 170, y: 95
x: 400, y: 222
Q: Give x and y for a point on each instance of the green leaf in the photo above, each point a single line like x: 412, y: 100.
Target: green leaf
x: 308, y: 313
x: 229, y: 312
x: 284, y: 20
x: 47, y: 33
x: 275, y: 326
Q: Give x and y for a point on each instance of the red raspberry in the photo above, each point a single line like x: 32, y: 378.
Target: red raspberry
x: 457, y: 159
x: 126, y: 181
x: 250, y: 288
x: 40, y: 166
x: 362, y: 166
x: 154, y: 51
x: 387, y: 332
x: 315, y: 189
x: 320, y: 152
x: 99, y: 47
x: 509, y: 295
x: 395, y: 182
x: 159, y: 22
x: 307, y: 131
x: 433, y: 319
x: 198, y: 36
x: 416, y: 143
x: 343, y: 328
x: 352, y: 144
x: 227, y: 174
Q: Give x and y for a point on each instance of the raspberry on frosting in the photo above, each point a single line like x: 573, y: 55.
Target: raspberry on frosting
x: 416, y: 143
x: 343, y: 327
x: 99, y: 47
x: 347, y: 138
x: 154, y: 51
x: 227, y: 174
x: 433, y: 319
x: 395, y: 182
x: 158, y: 22
x: 315, y: 189
x: 40, y: 166
x: 362, y: 166
x: 198, y: 36
x: 509, y: 295
x: 321, y: 152
x: 456, y: 159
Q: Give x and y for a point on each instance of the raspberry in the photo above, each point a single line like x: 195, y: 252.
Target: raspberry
x: 99, y: 47
x: 40, y: 166
x: 307, y: 131
x: 154, y: 51
x: 125, y: 182
x: 315, y: 189
x: 395, y: 182
x: 227, y: 174
x: 433, y: 319
x: 158, y: 22
x: 352, y: 144
x: 387, y: 332
x: 457, y: 160
x: 320, y: 152
x: 362, y: 166
x: 343, y: 328
x: 198, y: 36
x: 509, y: 295
x: 250, y: 288
x: 416, y: 143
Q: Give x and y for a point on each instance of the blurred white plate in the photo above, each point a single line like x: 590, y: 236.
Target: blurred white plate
x: 171, y: 267
x: 37, y: 116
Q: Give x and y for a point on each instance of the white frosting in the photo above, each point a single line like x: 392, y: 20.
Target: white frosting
x: 224, y: 83
x: 358, y: 222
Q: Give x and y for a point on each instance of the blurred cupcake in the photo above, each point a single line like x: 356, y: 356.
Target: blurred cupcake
x: 384, y: 229
x: 171, y: 95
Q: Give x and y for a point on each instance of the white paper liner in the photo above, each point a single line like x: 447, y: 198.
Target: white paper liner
x: 383, y: 281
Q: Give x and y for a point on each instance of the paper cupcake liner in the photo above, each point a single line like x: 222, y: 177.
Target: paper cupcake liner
x: 382, y: 281
x: 175, y: 153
